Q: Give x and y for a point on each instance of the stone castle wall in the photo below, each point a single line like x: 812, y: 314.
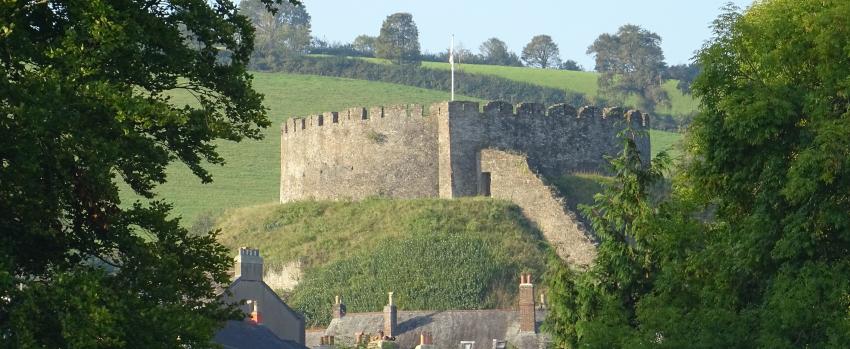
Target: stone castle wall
x: 513, y: 180
x: 357, y: 153
x: 406, y: 152
x: 558, y: 140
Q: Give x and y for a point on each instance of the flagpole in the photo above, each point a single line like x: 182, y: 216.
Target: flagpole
x: 452, y: 62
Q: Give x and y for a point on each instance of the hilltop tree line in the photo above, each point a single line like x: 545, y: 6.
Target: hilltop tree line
x: 630, y: 61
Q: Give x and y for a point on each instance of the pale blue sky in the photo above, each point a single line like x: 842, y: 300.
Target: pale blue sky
x: 682, y: 24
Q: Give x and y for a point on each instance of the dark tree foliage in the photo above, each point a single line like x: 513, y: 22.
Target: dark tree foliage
x: 322, y: 47
x: 631, y: 63
x: 541, y: 52
x: 495, y: 52
x: 84, y: 104
x: 596, y: 308
x: 685, y: 74
x: 475, y: 85
x: 281, y: 33
x: 570, y: 65
x: 752, y: 249
x: 399, y: 40
x: 770, y: 158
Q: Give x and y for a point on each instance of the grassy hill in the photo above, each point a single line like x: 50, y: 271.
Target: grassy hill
x: 583, y: 82
x: 434, y: 254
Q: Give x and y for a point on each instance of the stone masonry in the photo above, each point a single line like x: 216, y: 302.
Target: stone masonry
x: 513, y: 180
x: 456, y: 149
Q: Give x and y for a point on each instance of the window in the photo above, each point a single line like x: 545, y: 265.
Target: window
x: 484, y: 184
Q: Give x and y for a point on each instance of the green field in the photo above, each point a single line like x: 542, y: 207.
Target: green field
x: 663, y: 140
x: 582, y: 82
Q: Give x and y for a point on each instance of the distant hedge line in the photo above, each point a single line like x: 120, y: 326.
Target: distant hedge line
x: 474, y: 85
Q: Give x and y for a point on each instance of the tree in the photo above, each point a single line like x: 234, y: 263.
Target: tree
x: 570, y: 65
x: 462, y: 54
x: 399, y: 40
x: 365, y: 44
x: 596, y: 308
x: 685, y: 74
x: 541, y: 52
x: 631, y: 63
x: 769, y: 157
x: 495, y: 51
x: 86, y: 103
x: 281, y: 33
x: 750, y: 251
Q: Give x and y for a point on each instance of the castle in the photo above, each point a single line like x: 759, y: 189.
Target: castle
x: 457, y: 149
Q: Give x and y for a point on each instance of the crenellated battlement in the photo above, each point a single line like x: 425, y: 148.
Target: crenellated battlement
x: 566, y: 112
x: 505, y: 109
x: 353, y: 115
x: 376, y: 150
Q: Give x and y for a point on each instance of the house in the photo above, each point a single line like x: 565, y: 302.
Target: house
x: 464, y: 329
x: 270, y: 322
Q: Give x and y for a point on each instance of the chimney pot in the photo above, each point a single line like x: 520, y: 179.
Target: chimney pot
x: 527, y: 316
x: 255, y: 317
x: 338, y: 309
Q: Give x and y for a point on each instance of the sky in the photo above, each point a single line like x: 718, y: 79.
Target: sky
x: 682, y: 24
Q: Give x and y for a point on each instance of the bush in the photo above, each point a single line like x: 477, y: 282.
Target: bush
x: 425, y: 271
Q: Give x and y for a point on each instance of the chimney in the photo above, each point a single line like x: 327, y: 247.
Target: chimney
x: 426, y: 341
x: 390, y: 317
x: 249, y: 264
x: 255, y: 317
x: 526, y: 304
x: 338, y: 310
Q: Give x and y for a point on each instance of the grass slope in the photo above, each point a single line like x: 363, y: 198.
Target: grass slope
x: 434, y: 254
x: 583, y: 82
x: 665, y: 141
x: 252, y: 173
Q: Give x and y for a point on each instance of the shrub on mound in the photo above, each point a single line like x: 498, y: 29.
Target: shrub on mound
x: 434, y: 254
x: 426, y: 271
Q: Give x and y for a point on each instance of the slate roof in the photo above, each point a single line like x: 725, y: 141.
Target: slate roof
x: 242, y: 335
x: 448, y: 328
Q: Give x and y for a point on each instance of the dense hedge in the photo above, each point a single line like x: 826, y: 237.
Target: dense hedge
x: 473, y: 85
